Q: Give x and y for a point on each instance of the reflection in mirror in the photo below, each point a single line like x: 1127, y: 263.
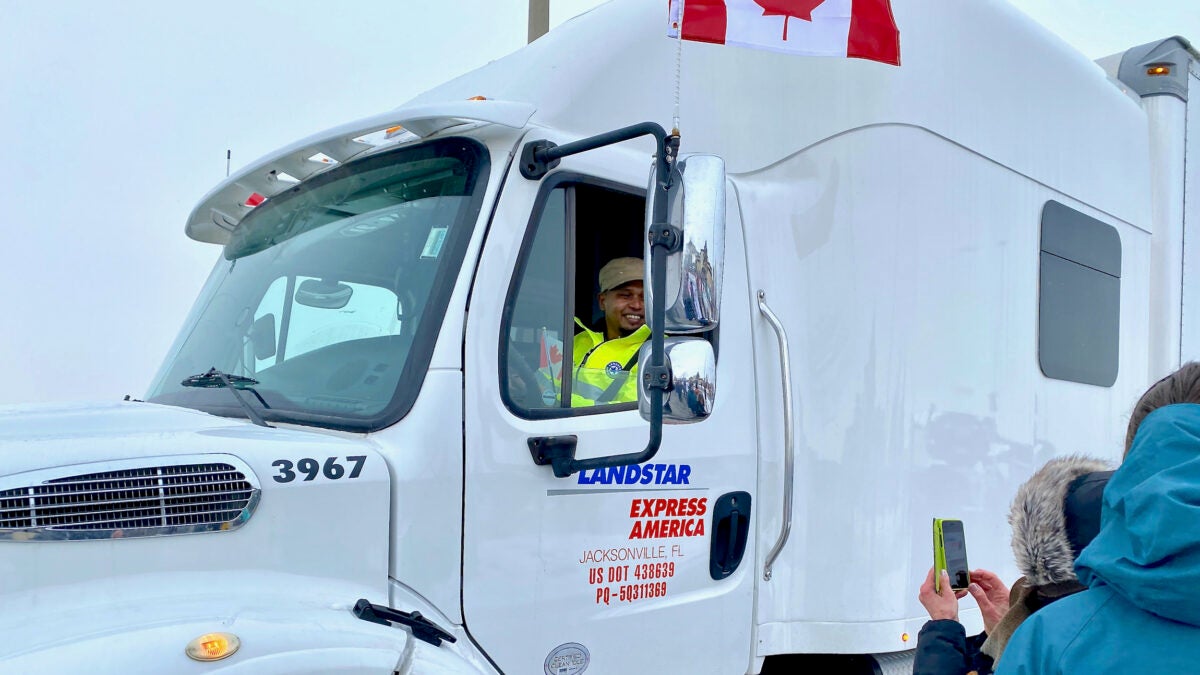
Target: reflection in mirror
x: 693, y: 380
x: 323, y: 294
x: 693, y: 278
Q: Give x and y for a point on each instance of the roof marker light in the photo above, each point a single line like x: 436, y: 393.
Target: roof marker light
x: 255, y: 199
x: 478, y: 98
x: 1157, y: 70
x: 213, y: 646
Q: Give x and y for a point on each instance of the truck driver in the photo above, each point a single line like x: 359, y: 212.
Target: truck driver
x: 606, y: 364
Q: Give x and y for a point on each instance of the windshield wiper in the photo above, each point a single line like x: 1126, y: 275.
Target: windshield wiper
x: 214, y: 379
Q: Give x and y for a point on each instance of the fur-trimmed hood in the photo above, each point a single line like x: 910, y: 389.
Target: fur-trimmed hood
x: 1040, y: 541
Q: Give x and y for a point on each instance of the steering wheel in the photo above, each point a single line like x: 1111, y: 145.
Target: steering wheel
x: 524, y: 383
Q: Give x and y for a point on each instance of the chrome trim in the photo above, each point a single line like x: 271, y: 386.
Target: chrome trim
x: 788, y: 450
x: 120, y: 499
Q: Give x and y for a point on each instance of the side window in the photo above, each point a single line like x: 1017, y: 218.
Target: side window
x: 1079, y: 297
x: 562, y: 352
x: 535, y: 326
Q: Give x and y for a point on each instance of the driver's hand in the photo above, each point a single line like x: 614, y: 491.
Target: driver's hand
x: 517, y: 388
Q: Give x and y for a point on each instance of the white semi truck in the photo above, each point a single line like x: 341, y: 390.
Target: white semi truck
x: 887, y: 294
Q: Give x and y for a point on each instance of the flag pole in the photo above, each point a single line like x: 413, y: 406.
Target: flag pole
x: 539, y: 18
x: 678, y: 69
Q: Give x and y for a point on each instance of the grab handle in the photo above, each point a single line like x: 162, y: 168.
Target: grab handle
x: 788, y: 453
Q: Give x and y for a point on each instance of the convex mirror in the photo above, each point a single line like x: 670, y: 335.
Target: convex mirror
x: 693, y: 380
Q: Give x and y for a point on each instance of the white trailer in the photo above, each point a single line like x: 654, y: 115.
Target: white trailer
x: 929, y: 280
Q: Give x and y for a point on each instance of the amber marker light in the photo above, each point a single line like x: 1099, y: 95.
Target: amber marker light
x: 394, y: 132
x: 213, y: 646
x: 1154, y: 71
x: 904, y: 637
x: 478, y: 98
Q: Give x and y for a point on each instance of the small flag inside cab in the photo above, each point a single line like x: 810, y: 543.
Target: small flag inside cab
x: 549, y: 355
x: 860, y: 29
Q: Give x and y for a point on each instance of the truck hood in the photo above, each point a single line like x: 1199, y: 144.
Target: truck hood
x: 315, y: 529
x: 36, y: 436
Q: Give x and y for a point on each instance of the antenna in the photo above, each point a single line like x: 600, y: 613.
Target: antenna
x: 228, y: 156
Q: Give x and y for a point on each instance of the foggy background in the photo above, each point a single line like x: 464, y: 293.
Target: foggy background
x: 116, y: 119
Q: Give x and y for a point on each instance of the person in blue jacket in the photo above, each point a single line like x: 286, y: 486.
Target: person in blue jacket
x: 1141, y: 612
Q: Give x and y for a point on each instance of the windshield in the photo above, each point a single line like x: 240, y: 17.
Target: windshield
x: 330, y: 294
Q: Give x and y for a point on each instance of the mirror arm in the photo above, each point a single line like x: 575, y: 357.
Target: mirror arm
x: 666, y: 236
x: 559, y: 451
x: 538, y: 157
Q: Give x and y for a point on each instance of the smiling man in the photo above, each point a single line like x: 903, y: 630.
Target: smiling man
x: 606, y: 364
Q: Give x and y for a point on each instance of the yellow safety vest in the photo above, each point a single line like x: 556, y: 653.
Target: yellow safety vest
x: 600, y: 374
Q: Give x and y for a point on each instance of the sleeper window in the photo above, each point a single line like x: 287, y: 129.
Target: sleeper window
x: 1079, y: 297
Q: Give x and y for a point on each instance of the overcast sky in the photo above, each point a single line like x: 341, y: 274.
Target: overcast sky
x: 116, y: 117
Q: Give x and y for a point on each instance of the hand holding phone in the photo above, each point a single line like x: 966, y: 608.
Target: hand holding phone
x: 950, y: 554
x: 939, y: 605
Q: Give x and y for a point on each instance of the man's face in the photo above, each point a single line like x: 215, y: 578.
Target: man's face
x: 624, y: 311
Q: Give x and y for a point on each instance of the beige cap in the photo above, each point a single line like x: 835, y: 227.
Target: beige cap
x: 620, y: 271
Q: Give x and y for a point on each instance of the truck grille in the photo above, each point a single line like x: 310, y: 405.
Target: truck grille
x: 130, y: 501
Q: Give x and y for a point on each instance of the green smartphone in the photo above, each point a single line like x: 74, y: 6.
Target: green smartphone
x: 950, y: 554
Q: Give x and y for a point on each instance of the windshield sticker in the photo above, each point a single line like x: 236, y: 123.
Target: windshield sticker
x: 569, y: 659
x: 433, y: 243
x: 645, y: 474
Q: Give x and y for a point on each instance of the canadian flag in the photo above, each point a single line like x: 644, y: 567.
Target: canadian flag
x: 861, y: 29
x: 549, y: 354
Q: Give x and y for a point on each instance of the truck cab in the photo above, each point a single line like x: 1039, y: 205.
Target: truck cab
x: 362, y: 454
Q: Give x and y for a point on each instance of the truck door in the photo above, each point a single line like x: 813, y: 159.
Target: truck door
x: 609, y: 568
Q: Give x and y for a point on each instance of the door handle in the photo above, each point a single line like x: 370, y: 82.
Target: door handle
x: 731, y: 529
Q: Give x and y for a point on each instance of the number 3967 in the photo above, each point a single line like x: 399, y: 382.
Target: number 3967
x: 309, y: 468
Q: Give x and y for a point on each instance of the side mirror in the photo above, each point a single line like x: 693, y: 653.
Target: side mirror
x: 323, y: 294
x: 692, y: 301
x: 693, y: 380
x: 262, y: 336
